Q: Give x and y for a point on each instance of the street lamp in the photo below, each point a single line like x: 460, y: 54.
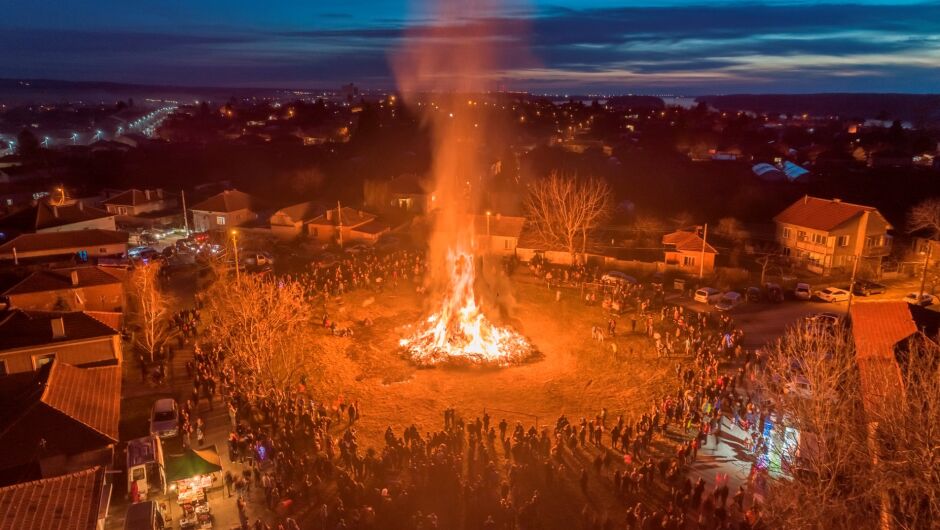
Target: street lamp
x: 488, y: 215
x: 238, y: 278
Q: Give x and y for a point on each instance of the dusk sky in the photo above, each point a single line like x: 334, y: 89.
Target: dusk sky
x: 653, y: 46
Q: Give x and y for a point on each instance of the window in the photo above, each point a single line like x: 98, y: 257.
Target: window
x: 786, y: 232
x: 874, y: 241
x: 843, y: 241
x: 102, y: 250
x: 505, y: 244
x: 819, y: 239
x: 41, y: 360
x: 220, y: 220
x: 688, y: 261
x: 122, y: 210
x: 786, y: 251
x: 801, y: 235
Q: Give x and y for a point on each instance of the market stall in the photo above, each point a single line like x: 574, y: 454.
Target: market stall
x: 192, y: 474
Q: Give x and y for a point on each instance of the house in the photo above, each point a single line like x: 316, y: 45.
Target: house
x: 497, y: 234
x: 83, y: 244
x: 50, y: 215
x: 31, y: 339
x: 343, y: 225
x: 76, y: 501
x: 224, y: 210
x: 411, y: 194
x: 291, y: 222
x: 58, y: 420
x: 134, y: 202
x: 89, y: 288
x: 829, y: 234
x: 688, y: 252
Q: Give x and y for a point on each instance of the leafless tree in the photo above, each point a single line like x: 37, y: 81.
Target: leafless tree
x: 849, y: 464
x: 924, y: 217
x: 564, y: 208
x: 732, y: 229
x: 151, y: 308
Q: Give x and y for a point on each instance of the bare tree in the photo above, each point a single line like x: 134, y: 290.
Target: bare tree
x: 732, y: 229
x: 151, y: 308
x: 924, y: 217
x: 845, y: 462
x: 564, y: 208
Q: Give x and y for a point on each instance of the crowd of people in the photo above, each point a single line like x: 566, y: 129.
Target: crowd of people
x: 306, y: 458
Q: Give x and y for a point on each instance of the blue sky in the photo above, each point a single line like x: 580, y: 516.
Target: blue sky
x: 653, y: 46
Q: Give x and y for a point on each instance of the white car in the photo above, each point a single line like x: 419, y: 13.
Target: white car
x: 803, y: 291
x: 922, y: 300
x: 707, y: 295
x: 617, y: 277
x: 832, y: 294
x: 164, y: 418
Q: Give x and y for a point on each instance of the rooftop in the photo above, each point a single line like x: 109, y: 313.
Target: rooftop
x: 821, y: 214
x: 63, y: 240
x: 135, y: 197
x: 349, y: 217
x: 687, y: 242
x: 229, y: 201
x: 68, y: 502
x: 22, y: 329
x: 60, y: 279
x: 44, y: 214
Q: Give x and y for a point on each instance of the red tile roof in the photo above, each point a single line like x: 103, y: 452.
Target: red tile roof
x: 687, y: 242
x: 350, y: 217
x: 47, y: 215
x: 59, y: 279
x: 229, y: 201
x: 63, y: 240
x: 134, y: 197
x: 821, y: 214
x: 91, y: 396
x: 68, y: 502
x: 878, y: 326
x: 20, y: 329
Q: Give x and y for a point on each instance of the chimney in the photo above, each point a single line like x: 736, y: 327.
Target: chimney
x: 55, y: 211
x: 147, y: 194
x: 805, y: 199
x: 81, y: 206
x: 329, y: 215
x: 58, y: 328
x: 159, y: 193
x: 74, y: 275
x: 836, y: 200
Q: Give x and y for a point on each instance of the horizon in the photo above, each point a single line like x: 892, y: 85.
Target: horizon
x: 656, y: 47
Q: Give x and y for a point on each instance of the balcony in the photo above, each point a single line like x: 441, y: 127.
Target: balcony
x: 879, y: 251
x: 809, y: 246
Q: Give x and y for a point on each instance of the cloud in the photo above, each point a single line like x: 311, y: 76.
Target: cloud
x: 670, y: 45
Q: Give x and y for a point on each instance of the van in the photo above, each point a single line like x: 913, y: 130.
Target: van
x: 143, y: 516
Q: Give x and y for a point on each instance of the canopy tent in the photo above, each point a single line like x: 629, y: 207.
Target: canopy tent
x: 193, y: 463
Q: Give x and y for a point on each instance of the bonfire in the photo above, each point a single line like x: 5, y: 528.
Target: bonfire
x: 459, y: 333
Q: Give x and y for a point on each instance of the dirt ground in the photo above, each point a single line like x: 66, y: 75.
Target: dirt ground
x: 575, y: 375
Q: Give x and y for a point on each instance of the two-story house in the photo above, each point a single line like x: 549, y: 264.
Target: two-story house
x: 135, y: 202
x: 225, y: 210
x: 828, y: 234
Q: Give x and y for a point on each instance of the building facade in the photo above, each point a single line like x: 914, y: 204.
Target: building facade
x: 826, y: 235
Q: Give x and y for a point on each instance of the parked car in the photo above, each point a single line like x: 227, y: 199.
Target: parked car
x: 773, y: 292
x: 618, y: 278
x: 164, y: 418
x: 729, y: 301
x: 922, y: 300
x: 832, y: 294
x: 803, y: 291
x: 358, y: 248
x: 752, y: 295
x: 707, y: 295
x: 257, y: 259
x: 867, y: 288
x: 824, y: 319
x: 326, y: 260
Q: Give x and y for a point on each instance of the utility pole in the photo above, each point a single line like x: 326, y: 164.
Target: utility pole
x: 923, y: 276
x: 339, y: 222
x: 701, y: 266
x: 238, y: 277
x: 185, y: 217
x: 852, y: 283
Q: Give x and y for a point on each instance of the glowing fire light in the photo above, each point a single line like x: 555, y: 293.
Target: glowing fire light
x: 459, y: 332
